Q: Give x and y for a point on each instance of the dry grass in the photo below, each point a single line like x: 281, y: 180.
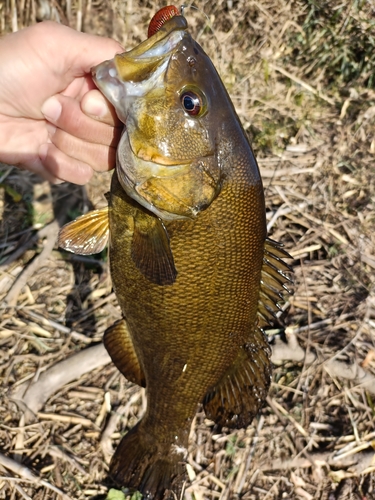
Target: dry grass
x: 312, y: 128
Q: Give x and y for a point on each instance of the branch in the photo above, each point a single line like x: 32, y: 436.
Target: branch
x: 34, y: 395
x: 27, y: 475
x: 292, y: 351
x: 358, y: 462
x: 50, y: 232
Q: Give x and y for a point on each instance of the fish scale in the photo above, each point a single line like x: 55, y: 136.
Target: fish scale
x: 191, y: 265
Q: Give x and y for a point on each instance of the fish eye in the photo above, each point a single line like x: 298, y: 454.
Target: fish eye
x: 191, y: 102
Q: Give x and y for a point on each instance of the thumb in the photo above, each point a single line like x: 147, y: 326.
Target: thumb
x: 78, y: 52
x: 90, y: 50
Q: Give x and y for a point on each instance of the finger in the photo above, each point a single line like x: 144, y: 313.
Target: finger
x: 61, y: 166
x: 65, y: 113
x: 100, y: 157
x: 95, y: 105
x: 36, y: 166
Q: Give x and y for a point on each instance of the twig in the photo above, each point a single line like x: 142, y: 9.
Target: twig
x: 70, y: 419
x: 302, y: 83
x: 57, y: 452
x: 105, y: 441
x: 57, y: 326
x: 359, y: 462
x: 284, y: 412
x: 26, y: 474
x: 14, y: 16
x: 292, y: 351
x: 22, y: 249
x: 21, y: 491
x: 98, y: 303
x: 20, y: 282
x: 17, y: 468
x: 36, y: 394
x: 54, y: 488
x: 316, y: 325
x: 46, y: 322
x: 250, y: 455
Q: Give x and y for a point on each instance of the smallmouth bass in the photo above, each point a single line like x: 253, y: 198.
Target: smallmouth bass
x: 192, y: 268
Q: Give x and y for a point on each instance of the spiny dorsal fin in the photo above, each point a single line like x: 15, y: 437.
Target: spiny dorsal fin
x: 274, y: 279
x: 238, y: 396
x: 87, y: 234
x: 118, y: 342
x: 151, y: 251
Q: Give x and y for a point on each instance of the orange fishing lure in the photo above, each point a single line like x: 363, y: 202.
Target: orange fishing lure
x: 161, y: 17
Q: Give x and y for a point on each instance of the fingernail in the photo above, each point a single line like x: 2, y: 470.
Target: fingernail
x: 94, y: 106
x: 51, y: 109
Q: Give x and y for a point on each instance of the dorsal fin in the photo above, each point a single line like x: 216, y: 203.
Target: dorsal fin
x: 238, y: 396
x: 274, y: 279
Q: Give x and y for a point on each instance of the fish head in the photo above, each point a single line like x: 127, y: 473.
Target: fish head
x: 167, y: 93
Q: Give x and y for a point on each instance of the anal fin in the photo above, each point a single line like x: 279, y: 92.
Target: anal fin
x: 241, y: 392
x: 120, y: 347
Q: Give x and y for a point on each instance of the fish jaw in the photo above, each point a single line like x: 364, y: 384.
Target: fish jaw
x: 133, y: 74
x: 106, y: 79
x: 171, y: 192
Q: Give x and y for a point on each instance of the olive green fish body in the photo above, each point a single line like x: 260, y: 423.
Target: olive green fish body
x: 189, y: 334
x: 193, y: 271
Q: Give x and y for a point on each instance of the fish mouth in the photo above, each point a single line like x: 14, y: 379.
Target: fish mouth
x: 137, y: 64
x: 132, y: 74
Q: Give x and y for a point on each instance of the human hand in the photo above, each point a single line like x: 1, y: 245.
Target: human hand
x: 52, y: 119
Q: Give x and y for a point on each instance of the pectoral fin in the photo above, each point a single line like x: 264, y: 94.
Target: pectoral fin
x: 240, y: 394
x: 151, y: 251
x: 87, y: 234
x: 120, y: 347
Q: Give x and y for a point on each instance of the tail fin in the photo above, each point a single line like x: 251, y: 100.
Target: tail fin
x: 143, y: 463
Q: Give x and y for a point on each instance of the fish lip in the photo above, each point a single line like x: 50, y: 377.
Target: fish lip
x: 105, y: 71
x: 106, y: 79
x: 130, y: 74
x: 177, y: 23
x: 139, y: 65
x: 149, y: 55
